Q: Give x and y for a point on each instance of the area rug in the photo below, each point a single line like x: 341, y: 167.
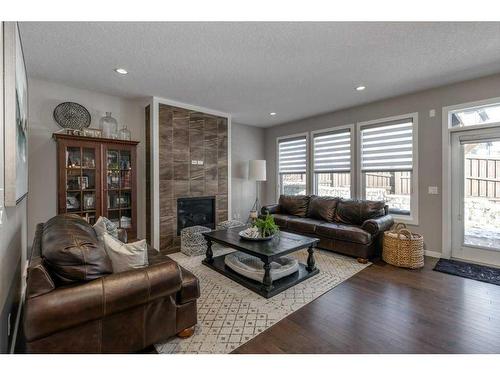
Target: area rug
x: 230, y: 315
x: 469, y: 270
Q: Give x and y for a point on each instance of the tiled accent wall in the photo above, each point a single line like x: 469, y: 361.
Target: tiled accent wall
x: 193, y: 162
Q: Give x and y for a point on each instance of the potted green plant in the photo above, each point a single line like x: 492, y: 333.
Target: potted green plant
x: 261, y: 229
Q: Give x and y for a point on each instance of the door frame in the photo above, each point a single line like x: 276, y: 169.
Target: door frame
x: 447, y: 132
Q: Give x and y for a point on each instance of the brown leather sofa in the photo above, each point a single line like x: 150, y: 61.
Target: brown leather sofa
x: 350, y: 227
x: 75, y: 304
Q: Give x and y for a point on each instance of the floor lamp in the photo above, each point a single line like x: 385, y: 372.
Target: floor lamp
x: 257, y: 172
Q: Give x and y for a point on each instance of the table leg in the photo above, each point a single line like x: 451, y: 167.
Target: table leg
x: 311, y: 262
x: 209, y: 255
x: 267, y: 276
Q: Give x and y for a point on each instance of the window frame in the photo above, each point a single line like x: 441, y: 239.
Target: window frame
x: 351, y: 128
x: 448, y: 111
x: 308, y: 159
x: 413, y: 218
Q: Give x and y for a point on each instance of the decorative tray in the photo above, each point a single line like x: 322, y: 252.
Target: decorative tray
x: 248, y: 238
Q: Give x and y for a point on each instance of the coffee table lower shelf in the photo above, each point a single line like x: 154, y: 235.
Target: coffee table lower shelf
x: 277, y: 286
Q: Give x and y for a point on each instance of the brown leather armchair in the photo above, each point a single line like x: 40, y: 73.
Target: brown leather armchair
x: 75, y: 307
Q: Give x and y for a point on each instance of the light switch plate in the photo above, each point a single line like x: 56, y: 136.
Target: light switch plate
x: 432, y: 113
x: 433, y: 190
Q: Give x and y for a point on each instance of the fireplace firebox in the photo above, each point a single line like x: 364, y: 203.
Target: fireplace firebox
x: 195, y: 211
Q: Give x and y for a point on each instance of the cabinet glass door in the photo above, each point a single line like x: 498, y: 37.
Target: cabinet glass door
x: 119, y: 187
x: 81, y: 182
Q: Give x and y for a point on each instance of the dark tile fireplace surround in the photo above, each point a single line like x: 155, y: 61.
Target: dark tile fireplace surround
x: 193, y: 164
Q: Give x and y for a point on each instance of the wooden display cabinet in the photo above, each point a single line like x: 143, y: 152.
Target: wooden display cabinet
x: 98, y: 177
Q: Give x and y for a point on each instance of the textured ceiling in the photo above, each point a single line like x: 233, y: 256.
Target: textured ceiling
x: 251, y: 69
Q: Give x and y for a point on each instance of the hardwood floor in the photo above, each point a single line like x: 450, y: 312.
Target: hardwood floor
x: 384, y: 309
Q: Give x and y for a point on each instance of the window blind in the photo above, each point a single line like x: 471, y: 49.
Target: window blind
x: 332, y: 151
x: 387, y: 146
x: 292, y: 155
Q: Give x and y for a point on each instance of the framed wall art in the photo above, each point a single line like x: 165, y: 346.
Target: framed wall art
x: 16, y: 116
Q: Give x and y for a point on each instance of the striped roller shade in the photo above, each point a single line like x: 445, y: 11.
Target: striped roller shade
x: 387, y: 146
x: 332, y: 151
x: 292, y: 155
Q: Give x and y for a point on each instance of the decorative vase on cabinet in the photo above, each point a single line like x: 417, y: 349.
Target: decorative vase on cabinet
x: 109, y: 126
x: 124, y: 134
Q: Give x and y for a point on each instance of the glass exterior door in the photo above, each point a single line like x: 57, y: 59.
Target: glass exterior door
x: 476, y: 197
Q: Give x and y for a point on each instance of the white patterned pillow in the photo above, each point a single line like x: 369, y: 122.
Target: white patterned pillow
x: 126, y: 256
x: 104, y: 225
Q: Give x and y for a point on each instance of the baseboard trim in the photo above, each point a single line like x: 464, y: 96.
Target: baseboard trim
x: 433, y: 254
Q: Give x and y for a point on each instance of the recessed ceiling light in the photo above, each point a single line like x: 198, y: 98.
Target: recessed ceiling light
x: 360, y: 88
x: 273, y: 113
x: 121, y: 71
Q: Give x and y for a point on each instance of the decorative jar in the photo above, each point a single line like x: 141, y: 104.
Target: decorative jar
x: 109, y: 126
x: 125, y: 134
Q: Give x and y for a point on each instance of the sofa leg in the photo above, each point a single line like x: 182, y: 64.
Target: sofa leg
x: 362, y: 260
x: 186, y: 333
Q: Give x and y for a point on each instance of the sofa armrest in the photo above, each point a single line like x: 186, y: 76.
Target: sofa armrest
x: 190, y: 290
x: 272, y: 209
x: 378, y: 225
x: 71, y: 306
x: 38, y: 280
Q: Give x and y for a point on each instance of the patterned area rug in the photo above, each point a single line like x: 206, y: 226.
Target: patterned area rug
x: 469, y: 270
x: 229, y: 314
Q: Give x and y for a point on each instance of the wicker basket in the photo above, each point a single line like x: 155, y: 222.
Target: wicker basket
x: 403, y: 248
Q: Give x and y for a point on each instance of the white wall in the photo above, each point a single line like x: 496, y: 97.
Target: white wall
x: 44, y: 96
x: 247, y: 143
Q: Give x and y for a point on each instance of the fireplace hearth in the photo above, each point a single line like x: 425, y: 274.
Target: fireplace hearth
x: 195, y: 211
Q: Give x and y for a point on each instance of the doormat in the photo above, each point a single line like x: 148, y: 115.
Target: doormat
x: 469, y: 270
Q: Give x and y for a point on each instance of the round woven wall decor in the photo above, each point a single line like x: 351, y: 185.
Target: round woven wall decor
x: 71, y: 115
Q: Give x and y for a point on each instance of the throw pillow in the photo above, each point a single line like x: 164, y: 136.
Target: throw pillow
x: 294, y: 204
x: 104, y: 225
x: 322, y: 208
x: 126, y: 256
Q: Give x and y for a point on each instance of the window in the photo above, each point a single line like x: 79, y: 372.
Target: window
x: 481, y: 115
x: 388, y: 164
x: 332, y: 163
x: 292, y: 162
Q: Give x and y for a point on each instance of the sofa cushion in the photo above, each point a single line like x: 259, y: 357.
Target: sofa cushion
x: 281, y: 220
x: 322, y: 208
x: 294, y: 205
x: 71, y: 251
x: 372, y: 210
x: 342, y: 232
x: 355, y: 212
x: 304, y: 225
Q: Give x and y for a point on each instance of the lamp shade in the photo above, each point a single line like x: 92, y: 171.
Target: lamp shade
x: 257, y: 170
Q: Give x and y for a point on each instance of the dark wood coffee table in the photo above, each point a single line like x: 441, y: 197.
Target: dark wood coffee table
x: 267, y: 251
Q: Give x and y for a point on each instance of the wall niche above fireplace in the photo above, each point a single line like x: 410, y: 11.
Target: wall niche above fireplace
x: 193, y: 163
